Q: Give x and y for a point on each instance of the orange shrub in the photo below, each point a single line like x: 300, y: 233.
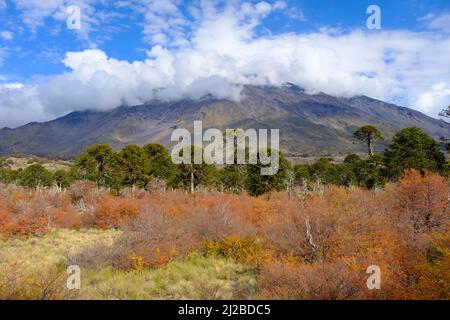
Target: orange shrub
x: 111, y: 212
x: 313, y: 245
x: 423, y: 200
x: 5, y: 218
x: 288, y: 280
x: 246, y: 250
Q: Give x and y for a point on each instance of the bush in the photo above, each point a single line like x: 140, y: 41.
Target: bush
x: 112, y: 212
x: 244, y: 250
x: 423, y: 199
x: 35, y: 176
x: 287, y: 280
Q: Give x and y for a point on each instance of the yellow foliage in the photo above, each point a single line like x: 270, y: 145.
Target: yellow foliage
x: 246, y: 250
x: 137, y: 262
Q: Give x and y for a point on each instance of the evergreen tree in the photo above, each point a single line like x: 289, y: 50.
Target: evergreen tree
x: 115, y: 175
x: 101, y: 153
x: 323, y: 170
x: 368, y: 134
x: 232, y: 178
x: 62, y: 178
x: 302, y: 173
x: 368, y: 173
x: 135, y: 166
x: 34, y: 176
x: 413, y: 148
x: 189, y: 175
x: 84, y: 168
x: 160, y: 162
x: 257, y: 184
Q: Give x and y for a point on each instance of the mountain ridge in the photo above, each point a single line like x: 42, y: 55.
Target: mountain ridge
x: 309, y: 123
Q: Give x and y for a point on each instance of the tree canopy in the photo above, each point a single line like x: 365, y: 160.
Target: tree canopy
x: 368, y: 134
x: 413, y: 148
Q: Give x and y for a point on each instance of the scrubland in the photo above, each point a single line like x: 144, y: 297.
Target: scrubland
x: 313, y: 242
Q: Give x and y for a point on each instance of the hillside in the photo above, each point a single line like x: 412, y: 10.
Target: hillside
x: 309, y: 124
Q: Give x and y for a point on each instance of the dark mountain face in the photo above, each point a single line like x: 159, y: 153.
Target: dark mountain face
x: 309, y: 124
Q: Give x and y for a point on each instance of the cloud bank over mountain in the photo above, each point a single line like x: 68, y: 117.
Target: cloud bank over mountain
x: 220, y: 49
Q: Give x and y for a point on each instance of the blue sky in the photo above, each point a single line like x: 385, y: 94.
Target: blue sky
x: 126, y: 49
x: 35, y: 50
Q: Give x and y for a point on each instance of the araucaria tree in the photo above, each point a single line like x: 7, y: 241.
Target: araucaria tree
x: 413, y: 148
x: 368, y: 134
x: 257, y: 184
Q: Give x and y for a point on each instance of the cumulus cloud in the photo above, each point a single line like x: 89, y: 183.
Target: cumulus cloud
x: 223, y: 52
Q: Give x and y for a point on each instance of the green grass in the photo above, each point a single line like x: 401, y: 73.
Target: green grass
x: 195, y: 277
x: 192, y: 277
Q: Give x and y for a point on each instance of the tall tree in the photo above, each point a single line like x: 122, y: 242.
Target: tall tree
x: 101, y: 153
x: 160, y: 162
x: 135, y: 165
x: 232, y: 178
x: 413, y: 148
x: 93, y: 164
x: 368, y: 134
x: 62, y: 178
x: 190, y: 175
x: 257, y: 184
x: 84, y: 168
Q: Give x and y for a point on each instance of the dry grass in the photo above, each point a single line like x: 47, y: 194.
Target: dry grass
x: 22, y: 162
x: 34, y: 268
x: 39, y: 253
x: 195, y: 277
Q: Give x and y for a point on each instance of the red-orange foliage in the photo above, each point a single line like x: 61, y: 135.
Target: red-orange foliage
x: 309, y: 245
x: 423, y: 200
x: 5, y: 218
x: 111, y: 212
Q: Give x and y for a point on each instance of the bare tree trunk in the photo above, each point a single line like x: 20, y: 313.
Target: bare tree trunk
x: 369, y: 146
x: 192, y: 182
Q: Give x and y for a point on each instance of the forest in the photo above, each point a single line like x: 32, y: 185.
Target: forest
x: 151, y: 166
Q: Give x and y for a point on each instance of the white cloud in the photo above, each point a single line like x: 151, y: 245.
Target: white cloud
x: 6, y: 35
x: 438, y: 95
x: 220, y: 52
x: 20, y: 104
x: 165, y: 23
x: 94, y: 16
x: 34, y: 12
x: 441, y: 22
